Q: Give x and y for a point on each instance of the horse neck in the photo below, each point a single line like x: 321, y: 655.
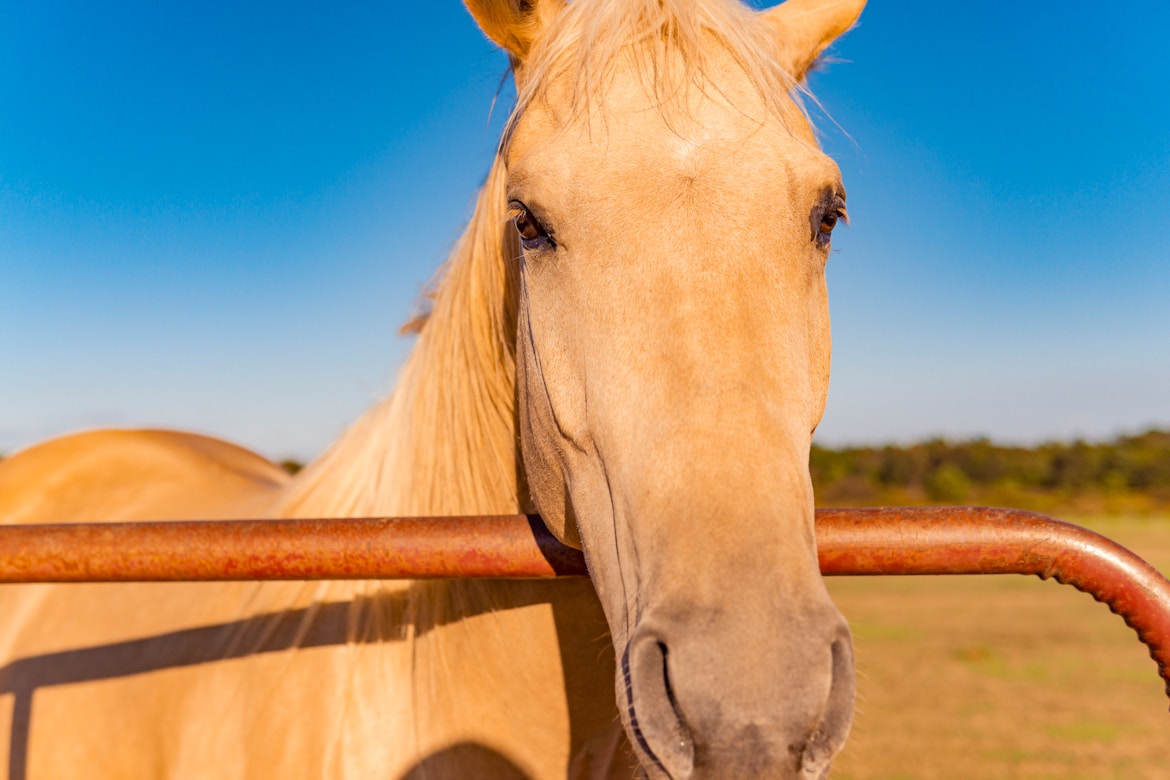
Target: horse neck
x: 444, y: 441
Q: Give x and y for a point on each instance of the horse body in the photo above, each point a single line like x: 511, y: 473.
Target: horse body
x: 647, y: 351
x: 256, y: 680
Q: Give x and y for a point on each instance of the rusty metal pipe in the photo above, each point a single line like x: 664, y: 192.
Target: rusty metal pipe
x: 512, y: 546
x: 984, y: 540
x: 919, y: 540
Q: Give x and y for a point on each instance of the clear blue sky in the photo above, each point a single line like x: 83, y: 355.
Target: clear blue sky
x: 214, y: 216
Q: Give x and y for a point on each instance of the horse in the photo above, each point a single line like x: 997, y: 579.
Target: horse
x: 631, y: 337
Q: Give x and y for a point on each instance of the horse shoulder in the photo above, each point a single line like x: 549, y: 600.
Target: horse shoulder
x: 125, y: 475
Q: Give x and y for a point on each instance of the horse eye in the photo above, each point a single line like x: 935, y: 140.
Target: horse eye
x: 532, y: 233
x: 834, y: 212
x: 828, y: 222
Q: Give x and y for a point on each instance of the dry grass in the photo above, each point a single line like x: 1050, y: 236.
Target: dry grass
x: 1003, y: 677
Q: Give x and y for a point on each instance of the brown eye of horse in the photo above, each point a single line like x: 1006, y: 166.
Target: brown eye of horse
x: 828, y: 222
x: 532, y: 233
x: 825, y: 217
x: 529, y: 228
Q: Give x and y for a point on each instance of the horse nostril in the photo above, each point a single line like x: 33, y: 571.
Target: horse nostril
x: 829, y: 735
x: 655, y: 718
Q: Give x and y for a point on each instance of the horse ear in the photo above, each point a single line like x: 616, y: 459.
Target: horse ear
x: 514, y: 24
x: 806, y: 27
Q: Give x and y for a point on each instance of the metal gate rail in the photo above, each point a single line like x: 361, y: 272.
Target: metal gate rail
x: 906, y: 540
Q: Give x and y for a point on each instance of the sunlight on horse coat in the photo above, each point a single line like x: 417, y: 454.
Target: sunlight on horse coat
x: 630, y: 337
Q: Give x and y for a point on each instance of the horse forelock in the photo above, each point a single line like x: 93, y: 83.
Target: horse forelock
x: 669, y: 42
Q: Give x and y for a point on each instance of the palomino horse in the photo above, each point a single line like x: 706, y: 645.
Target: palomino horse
x: 631, y: 337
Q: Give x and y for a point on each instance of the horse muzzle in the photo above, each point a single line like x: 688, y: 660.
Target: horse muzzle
x: 705, y: 701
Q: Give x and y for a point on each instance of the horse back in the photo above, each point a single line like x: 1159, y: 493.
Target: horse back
x: 126, y: 475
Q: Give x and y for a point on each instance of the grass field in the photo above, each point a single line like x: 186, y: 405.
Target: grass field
x: 1003, y: 677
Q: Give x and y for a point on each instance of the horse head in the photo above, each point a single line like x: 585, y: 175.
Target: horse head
x: 673, y: 217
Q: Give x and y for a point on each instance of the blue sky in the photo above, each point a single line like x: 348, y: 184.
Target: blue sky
x: 214, y: 216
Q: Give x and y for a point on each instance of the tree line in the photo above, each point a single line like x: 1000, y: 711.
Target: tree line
x: 1130, y: 474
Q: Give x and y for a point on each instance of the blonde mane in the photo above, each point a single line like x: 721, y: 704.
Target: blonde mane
x: 444, y: 442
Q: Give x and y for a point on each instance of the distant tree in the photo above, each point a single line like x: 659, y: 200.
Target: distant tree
x: 1074, y: 467
x: 948, y: 484
x: 291, y: 466
x: 979, y: 470
x: 899, y: 467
